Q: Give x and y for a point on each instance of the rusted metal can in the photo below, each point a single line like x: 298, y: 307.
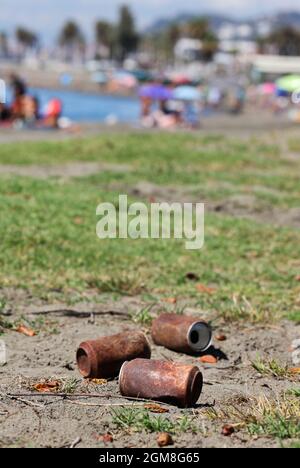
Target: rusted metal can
x: 104, y: 358
x: 164, y: 381
x: 181, y: 333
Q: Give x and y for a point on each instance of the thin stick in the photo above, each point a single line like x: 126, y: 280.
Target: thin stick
x: 63, y: 309
x: 67, y: 396
x: 81, y: 403
x: 75, y: 442
x: 20, y: 399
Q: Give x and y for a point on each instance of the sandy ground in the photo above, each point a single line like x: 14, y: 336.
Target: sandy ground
x: 57, y: 422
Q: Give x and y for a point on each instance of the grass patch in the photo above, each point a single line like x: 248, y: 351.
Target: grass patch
x: 143, y: 316
x: 295, y: 392
x: 141, y: 420
x: 271, y: 368
x: 69, y: 386
x: 263, y: 417
x: 38, y: 325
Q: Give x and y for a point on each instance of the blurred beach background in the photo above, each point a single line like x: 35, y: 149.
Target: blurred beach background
x: 145, y: 66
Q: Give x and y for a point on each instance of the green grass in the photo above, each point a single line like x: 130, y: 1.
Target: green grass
x: 272, y: 368
x: 143, y: 316
x: 275, y: 425
x: 140, y: 419
x: 295, y: 392
x: 252, y: 266
x: 263, y: 417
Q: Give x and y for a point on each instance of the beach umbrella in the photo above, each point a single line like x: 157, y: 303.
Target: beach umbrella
x: 142, y: 75
x: 125, y: 79
x: 186, y: 93
x: 289, y: 83
x: 181, y: 80
x: 268, y: 89
x: 156, y: 92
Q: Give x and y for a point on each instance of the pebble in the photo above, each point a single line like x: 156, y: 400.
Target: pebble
x: 296, y: 345
x: 295, y: 348
x: 296, y: 357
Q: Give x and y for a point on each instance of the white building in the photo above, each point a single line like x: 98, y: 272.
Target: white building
x: 188, y: 50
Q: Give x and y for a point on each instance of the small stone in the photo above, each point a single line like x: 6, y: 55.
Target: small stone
x: 228, y: 430
x: 164, y: 439
x: 295, y: 345
x: 221, y: 337
x: 3, y: 358
x: 296, y: 357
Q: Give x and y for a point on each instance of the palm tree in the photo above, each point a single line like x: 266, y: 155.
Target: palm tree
x: 72, y: 40
x: 126, y: 33
x: 105, y: 34
x: 286, y: 41
x: 199, y: 28
x: 3, y: 45
x: 27, y: 39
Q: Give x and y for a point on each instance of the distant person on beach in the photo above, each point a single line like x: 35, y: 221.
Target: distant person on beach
x: 19, y: 89
x: 53, y: 113
x: 5, y: 113
x: 18, y: 86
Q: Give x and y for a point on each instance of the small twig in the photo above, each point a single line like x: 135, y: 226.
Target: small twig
x: 63, y: 309
x: 81, y: 403
x: 68, y: 396
x: 26, y: 402
x: 75, y: 442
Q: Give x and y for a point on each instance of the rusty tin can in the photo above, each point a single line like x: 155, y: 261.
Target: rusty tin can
x: 181, y: 333
x: 103, y: 358
x: 164, y: 381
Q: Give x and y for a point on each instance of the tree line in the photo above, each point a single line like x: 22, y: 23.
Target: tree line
x: 120, y: 39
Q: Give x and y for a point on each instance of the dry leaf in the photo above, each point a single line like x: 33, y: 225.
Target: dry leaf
x: 77, y: 220
x: 164, y: 439
x: 47, y: 387
x: 208, y: 359
x: 297, y: 278
x: 170, y: 300
x: 107, y: 438
x: 154, y: 408
x: 228, y: 430
x: 295, y: 370
x: 26, y: 331
x: 205, y: 289
x: 221, y: 337
x: 98, y: 381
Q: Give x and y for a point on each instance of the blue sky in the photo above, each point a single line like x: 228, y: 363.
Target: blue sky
x: 46, y: 16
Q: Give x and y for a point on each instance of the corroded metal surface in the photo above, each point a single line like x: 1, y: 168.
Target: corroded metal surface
x: 104, y: 358
x: 163, y: 381
x: 181, y: 333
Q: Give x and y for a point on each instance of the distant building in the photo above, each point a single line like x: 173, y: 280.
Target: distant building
x: 237, y: 38
x: 188, y: 50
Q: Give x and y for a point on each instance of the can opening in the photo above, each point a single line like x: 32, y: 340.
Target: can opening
x: 83, y: 362
x: 194, y: 336
x: 196, y: 388
x: 200, y: 336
